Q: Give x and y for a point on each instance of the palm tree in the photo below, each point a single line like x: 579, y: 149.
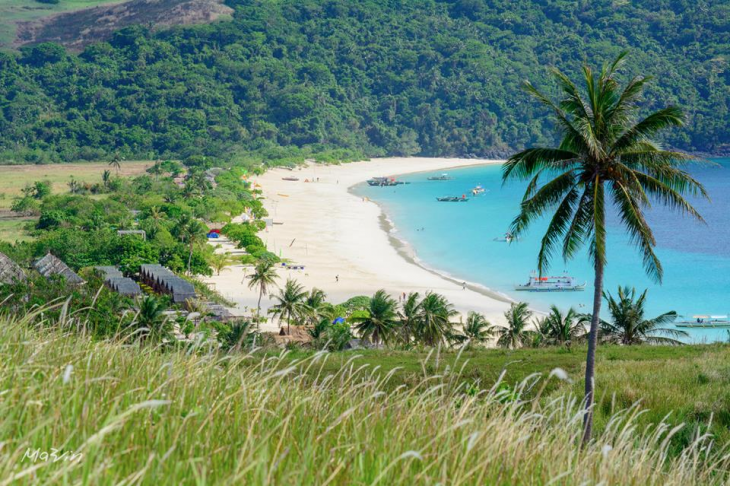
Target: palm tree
x: 150, y: 317
x: 219, y: 261
x: 115, y: 162
x: 628, y: 325
x: 563, y: 329
x: 189, y: 231
x: 516, y: 334
x: 316, y: 302
x: 380, y: 320
x: 263, y: 277
x: 408, y: 315
x: 291, y: 303
x: 477, y: 329
x: 604, y: 154
x: 433, y: 321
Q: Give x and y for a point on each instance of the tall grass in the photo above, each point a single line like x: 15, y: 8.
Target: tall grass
x: 140, y: 415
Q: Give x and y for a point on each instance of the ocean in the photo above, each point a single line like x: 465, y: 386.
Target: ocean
x: 458, y: 239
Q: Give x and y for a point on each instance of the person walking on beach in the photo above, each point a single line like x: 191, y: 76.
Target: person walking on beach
x: 337, y: 278
x: 463, y: 286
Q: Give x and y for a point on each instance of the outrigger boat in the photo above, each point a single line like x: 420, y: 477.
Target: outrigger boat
x: 507, y: 238
x: 384, y: 182
x: 442, y: 177
x: 478, y: 190
x: 563, y: 283
x: 463, y: 198
x: 705, y: 321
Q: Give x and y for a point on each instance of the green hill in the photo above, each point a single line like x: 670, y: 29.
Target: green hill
x: 378, y: 77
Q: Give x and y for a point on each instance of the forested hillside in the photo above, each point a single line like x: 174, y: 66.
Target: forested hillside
x: 377, y: 77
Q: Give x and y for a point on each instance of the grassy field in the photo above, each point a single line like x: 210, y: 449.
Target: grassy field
x: 138, y: 415
x: 12, y: 11
x: 13, y: 178
x: 692, y: 383
x: 12, y: 229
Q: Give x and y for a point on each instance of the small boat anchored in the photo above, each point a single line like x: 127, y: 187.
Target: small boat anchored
x: 463, y: 198
x: 384, y: 182
x: 442, y: 177
x: 507, y: 238
x: 478, y: 190
x: 563, y: 283
x: 707, y: 321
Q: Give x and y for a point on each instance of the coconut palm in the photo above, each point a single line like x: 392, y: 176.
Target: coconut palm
x: 477, y: 329
x: 606, y: 156
x: 433, y: 322
x: 219, y: 261
x: 316, y: 302
x: 628, y: 325
x: 408, y: 316
x: 115, y: 162
x: 291, y: 303
x: 516, y: 334
x: 380, y: 319
x: 189, y: 231
x: 263, y: 277
x: 151, y: 318
x: 563, y: 329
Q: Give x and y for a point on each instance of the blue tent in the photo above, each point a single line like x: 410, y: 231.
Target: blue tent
x: 213, y: 235
x: 339, y: 320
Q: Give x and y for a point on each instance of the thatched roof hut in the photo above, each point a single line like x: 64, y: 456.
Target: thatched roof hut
x: 10, y: 272
x: 49, y: 266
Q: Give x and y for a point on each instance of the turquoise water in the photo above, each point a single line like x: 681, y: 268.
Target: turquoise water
x: 458, y: 239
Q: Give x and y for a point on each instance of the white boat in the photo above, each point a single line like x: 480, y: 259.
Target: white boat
x: 563, y: 283
x: 705, y: 321
x: 478, y: 190
x: 507, y: 238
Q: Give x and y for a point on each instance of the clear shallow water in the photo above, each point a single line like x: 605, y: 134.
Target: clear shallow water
x: 458, y: 239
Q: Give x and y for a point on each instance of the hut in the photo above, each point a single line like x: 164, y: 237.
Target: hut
x: 164, y: 281
x: 107, y: 272
x: 115, y: 280
x: 124, y: 286
x: 10, y: 272
x: 49, y: 265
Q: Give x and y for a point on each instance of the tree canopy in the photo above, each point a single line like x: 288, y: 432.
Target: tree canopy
x: 372, y: 77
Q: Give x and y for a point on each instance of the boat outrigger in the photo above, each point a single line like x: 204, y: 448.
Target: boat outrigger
x: 442, y: 177
x: 707, y: 321
x: 463, y: 198
x: 384, y: 182
x: 563, y: 283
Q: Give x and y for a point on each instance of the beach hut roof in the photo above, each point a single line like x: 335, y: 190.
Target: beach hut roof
x: 50, y: 265
x: 124, y: 286
x: 108, y: 272
x: 10, y: 271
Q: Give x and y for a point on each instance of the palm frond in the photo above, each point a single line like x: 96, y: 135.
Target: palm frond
x: 639, y: 231
x: 528, y: 162
x: 659, y: 120
x: 545, y: 198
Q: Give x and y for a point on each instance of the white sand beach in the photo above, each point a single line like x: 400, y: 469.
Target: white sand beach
x: 341, y: 240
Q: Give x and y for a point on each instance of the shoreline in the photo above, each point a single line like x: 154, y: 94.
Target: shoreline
x: 346, y: 243
x: 408, y: 253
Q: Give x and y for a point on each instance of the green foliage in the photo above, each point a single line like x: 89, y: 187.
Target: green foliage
x: 284, y: 81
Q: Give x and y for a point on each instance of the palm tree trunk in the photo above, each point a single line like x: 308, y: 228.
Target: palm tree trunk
x: 591, y: 355
x: 190, y: 257
x: 258, y: 307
